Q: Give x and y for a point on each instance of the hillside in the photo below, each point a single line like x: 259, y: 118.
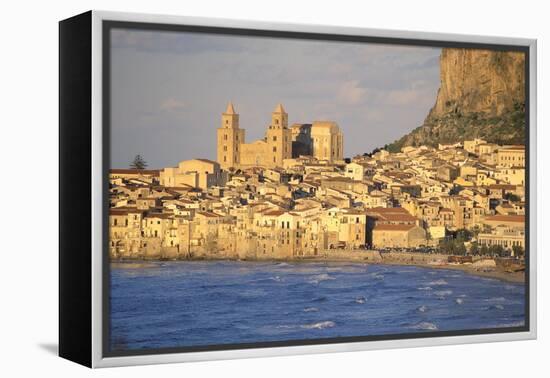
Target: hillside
x: 482, y: 94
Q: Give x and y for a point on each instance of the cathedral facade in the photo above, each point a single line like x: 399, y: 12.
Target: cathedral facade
x: 321, y: 139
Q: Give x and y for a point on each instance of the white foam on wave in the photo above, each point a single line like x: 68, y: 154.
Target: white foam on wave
x: 360, y: 300
x: 320, y: 278
x: 496, y: 299
x: 459, y: 301
x: 443, y: 293
x: 422, y: 308
x: 425, y: 326
x: 424, y: 288
x: 319, y: 325
x: 439, y: 282
x: 311, y: 309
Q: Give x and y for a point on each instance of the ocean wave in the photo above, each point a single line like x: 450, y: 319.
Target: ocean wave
x: 495, y: 299
x: 377, y: 276
x: 251, y: 293
x: 427, y: 326
x: 360, y: 300
x: 424, y: 288
x: 422, y: 308
x: 311, y: 309
x: 319, y: 325
x: 320, y: 278
x: 282, y: 265
x: 439, y: 282
x: 520, y: 323
x: 459, y: 301
x: 443, y: 293
x: 320, y: 299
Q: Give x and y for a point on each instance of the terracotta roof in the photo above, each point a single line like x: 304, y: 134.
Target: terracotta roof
x: 275, y: 213
x: 506, y: 218
x: 502, y: 187
x: 208, y: 214
x: 124, y: 211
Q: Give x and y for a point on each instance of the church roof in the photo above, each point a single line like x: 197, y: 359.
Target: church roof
x: 230, y: 109
x: 279, y: 109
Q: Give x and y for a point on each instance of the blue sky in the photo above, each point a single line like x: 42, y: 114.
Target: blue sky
x: 170, y: 88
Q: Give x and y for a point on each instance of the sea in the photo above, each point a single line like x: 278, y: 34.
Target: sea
x: 211, y: 303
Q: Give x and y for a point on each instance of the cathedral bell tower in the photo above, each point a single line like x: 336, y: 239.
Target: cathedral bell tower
x: 278, y: 138
x: 230, y: 136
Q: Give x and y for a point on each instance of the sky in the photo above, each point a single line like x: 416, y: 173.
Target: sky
x: 168, y: 90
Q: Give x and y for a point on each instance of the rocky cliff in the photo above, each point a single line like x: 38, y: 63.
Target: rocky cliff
x: 482, y: 94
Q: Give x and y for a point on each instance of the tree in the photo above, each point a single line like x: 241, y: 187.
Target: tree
x: 139, y: 163
x: 518, y: 251
x: 484, y: 251
x: 474, y: 248
x: 464, y: 234
x: 460, y: 248
x: 496, y: 250
x: 511, y: 197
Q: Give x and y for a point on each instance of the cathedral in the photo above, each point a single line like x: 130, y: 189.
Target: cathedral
x: 320, y: 139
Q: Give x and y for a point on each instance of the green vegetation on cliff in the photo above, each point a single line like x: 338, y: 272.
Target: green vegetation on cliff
x: 482, y: 95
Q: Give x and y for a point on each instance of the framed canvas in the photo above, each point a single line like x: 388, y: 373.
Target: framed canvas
x: 232, y: 189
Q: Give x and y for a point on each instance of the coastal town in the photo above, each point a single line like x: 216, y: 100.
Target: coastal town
x: 293, y: 195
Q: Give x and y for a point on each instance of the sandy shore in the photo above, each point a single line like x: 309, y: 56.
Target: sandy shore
x: 492, y: 272
x: 496, y: 273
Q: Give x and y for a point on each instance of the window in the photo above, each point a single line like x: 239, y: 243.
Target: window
x: 274, y: 149
x: 225, y: 159
x: 275, y: 138
x: 276, y: 121
x: 227, y: 122
x: 224, y: 136
x: 225, y: 148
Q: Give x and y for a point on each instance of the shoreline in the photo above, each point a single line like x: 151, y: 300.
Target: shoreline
x: 494, y: 273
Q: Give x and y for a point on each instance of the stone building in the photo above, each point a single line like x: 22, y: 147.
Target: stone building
x: 322, y: 140
x: 196, y: 173
x: 398, y: 236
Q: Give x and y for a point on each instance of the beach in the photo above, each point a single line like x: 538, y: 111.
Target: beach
x: 432, y: 261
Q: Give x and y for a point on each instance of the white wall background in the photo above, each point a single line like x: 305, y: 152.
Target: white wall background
x: 28, y: 155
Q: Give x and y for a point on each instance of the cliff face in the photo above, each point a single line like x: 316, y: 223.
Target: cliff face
x: 482, y: 94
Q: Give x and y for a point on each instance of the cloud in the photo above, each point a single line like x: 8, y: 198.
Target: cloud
x: 173, y: 105
x: 351, y: 93
x: 170, y: 89
x: 403, y: 97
